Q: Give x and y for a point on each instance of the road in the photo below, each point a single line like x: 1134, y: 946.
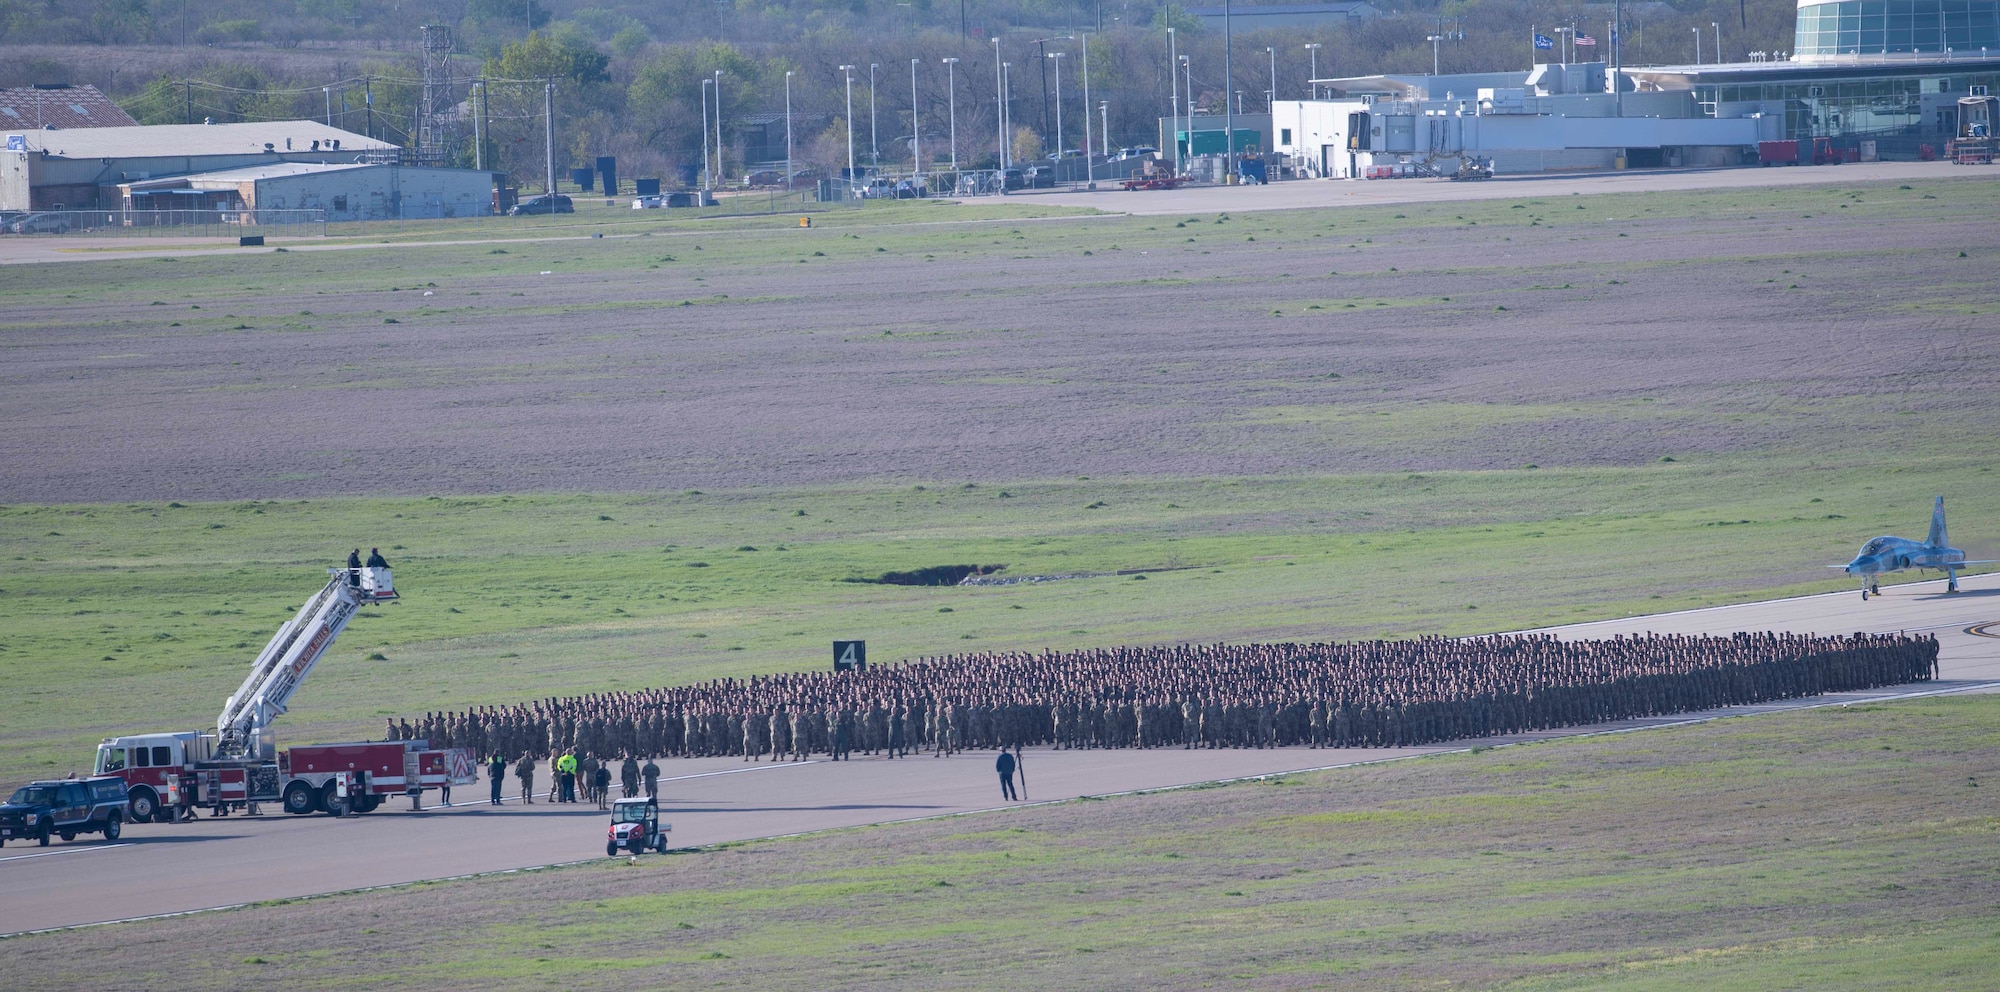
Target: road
x: 161, y: 868
x: 1307, y: 193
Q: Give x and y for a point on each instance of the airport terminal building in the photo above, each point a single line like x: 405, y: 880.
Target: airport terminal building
x: 1872, y: 78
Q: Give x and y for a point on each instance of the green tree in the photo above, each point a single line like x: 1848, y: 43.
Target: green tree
x: 562, y: 55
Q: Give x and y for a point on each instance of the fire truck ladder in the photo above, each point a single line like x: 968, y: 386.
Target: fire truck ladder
x: 286, y: 662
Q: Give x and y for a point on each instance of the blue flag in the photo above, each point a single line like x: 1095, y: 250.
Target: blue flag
x: 1544, y: 41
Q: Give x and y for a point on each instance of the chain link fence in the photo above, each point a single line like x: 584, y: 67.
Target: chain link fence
x: 163, y: 223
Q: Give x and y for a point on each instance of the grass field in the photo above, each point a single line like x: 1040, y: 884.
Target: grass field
x: 1444, y: 418
x: 1829, y: 849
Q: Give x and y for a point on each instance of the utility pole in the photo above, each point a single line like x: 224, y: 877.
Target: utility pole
x: 916, y: 126
x: 718, y: 125
x: 1618, y: 55
x: 368, y: 93
x: 328, y: 90
x: 707, y: 178
x: 1272, y: 102
x: 549, y: 140
x: 1312, y: 50
x: 951, y: 103
x: 874, y: 142
x: 788, y: 129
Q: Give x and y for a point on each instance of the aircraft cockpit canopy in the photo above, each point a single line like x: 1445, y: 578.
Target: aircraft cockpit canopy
x: 1876, y: 546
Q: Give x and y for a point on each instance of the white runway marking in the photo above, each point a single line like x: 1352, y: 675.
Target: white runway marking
x: 66, y: 850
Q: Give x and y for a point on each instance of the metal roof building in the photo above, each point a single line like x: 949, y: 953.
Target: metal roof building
x: 283, y: 192
x: 82, y: 168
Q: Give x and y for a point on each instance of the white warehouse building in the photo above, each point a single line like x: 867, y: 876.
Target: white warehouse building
x: 278, y: 192
x: 1557, y: 117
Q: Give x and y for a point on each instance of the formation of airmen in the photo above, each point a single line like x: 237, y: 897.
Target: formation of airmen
x: 1358, y: 694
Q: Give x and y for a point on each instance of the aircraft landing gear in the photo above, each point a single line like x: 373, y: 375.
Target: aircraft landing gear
x: 1951, y: 585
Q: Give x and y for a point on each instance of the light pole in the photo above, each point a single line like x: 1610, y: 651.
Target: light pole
x: 1089, y: 166
x: 718, y: 125
x: 788, y: 129
x: 707, y: 180
x: 1056, y: 57
x: 1174, y: 84
x: 328, y: 90
x: 1718, y: 41
x: 916, y: 126
x: 1187, y: 73
x: 1312, y: 50
x: 1271, y: 102
x: 951, y: 101
x: 849, y: 70
x: 1000, y: 102
x: 1563, y: 33
x: 874, y: 146
x: 1434, y: 39
x: 1007, y: 110
x: 1104, y: 128
x: 1697, y: 45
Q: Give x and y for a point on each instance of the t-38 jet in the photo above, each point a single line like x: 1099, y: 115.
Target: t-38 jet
x: 1894, y: 554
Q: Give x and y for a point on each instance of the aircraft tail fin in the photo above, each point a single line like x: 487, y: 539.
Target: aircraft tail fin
x: 1937, y: 539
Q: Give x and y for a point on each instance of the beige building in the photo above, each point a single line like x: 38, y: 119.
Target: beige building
x: 82, y: 168
x: 293, y: 192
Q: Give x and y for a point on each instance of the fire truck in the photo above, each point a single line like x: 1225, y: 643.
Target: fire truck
x: 239, y: 766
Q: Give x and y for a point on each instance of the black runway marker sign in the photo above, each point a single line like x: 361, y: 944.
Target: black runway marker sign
x: 850, y: 656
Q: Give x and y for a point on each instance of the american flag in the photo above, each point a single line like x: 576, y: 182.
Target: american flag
x: 1585, y: 41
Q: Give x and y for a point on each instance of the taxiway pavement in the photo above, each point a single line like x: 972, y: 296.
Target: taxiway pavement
x: 171, y: 868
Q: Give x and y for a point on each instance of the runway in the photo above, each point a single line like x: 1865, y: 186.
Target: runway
x: 159, y: 869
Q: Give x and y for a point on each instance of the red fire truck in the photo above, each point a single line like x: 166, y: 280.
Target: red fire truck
x: 239, y: 766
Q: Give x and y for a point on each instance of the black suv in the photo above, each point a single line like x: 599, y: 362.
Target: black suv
x: 64, y: 808
x: 543, y: 204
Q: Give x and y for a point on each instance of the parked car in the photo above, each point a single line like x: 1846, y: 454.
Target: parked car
x: 43, y: 223
x: 654, y: 202
x: 1040, y: 177
x: 543, y: 204
x: 1139, y: 151
x: 1013, y: 179
x: 635, y: 826
x: 910, y: 189
x: 64, y: 809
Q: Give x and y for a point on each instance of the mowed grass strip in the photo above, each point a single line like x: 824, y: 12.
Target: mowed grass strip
x: 1842, y: 848
x: 144, y: 616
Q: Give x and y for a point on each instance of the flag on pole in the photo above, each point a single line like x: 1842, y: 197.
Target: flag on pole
x: 1585, y: 41
x: 1544, y: 41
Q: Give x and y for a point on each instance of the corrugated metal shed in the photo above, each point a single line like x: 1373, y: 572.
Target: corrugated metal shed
x: 163, y: 140
x: 61, y: 106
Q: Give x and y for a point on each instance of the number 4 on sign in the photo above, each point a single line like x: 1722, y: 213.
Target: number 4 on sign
x: 850, y: 656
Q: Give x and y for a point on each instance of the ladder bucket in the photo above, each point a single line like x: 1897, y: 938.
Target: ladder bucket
x: 377, y: 585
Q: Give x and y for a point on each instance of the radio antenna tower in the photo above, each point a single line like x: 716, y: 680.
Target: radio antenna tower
x: 437, y: 123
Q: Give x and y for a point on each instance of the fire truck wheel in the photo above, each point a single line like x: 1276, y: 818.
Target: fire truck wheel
x: 300, y: 799
x: 113, y: 828
x: 143, y: 805
x: 329, y: 800
x: 366, y: 803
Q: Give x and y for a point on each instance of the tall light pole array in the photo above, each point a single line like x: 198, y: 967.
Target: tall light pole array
x: 951, y: 102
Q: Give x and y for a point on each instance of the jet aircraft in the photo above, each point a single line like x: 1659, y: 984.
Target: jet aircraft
x: 1894, y: 554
